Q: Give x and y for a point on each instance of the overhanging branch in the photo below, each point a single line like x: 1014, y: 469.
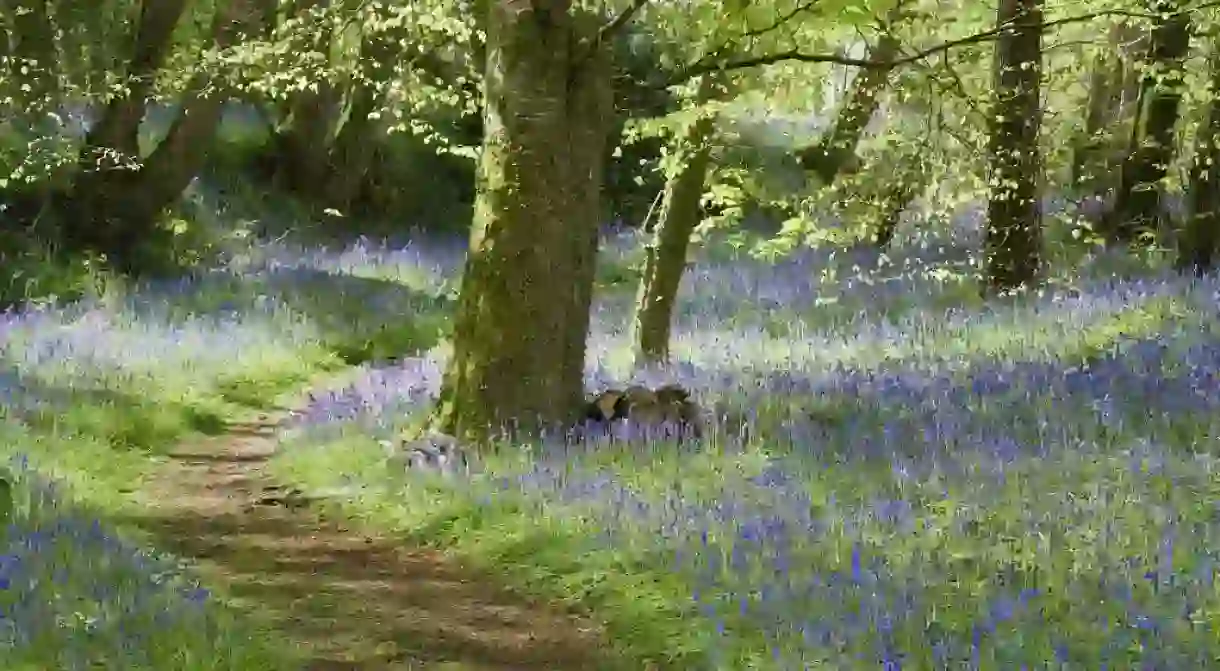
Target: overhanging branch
x: 617, y: 23
x: 703, y: 66
x: 609, y: 29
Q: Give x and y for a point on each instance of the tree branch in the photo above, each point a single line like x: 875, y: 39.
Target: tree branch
x: 607, y: 31
x: 617, y: 23
x: 702, y: 66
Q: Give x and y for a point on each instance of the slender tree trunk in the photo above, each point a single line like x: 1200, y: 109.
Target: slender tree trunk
x: 665, y: 260
x: 1199, y: 248
x: 828, y: 158
x: 1137, y: 207
x: 1014, y: 227
x: 1133, y: 45
x: 1103, y: 94
x: 523, y: 311
x: 903, y: 186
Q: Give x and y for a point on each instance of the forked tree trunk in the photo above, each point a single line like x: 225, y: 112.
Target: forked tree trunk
x: 113, y: 142
x: 1137, y: 208
x: 1199, y: 248
x: 33, y: 68
x: 115, y: 211
x: 828, y: 158
x: 109, y: 160
x: 302, y: 141
x: 665, y: 260
x: 352, y: 152
x: 523, y: 310
x: 1014, y: 227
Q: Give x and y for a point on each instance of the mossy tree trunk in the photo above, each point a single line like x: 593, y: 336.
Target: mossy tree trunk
x: 1014, y: 227
x: 665, y: 255
x: 523, y: 309
x: 113, y: 210
x: 1199, y: 248
x: 1137, y: 207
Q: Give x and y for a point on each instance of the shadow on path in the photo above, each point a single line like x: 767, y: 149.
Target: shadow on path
x: 341, y: 599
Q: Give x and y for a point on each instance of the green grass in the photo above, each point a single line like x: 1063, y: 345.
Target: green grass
x: 968, y: 528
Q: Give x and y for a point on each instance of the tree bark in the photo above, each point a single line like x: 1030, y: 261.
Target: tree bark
x: 1100, y: 105
x: 523, y: 310
x: 665, y: 260
x: 115, y: 136
x: 903, y: 186
x: 115, y: 211
x: 34, y: 67
x: 1137, y: 208
x: 108, y: 165
x: 352, y: 152
x: 303, y: 141
x: 1014, y: 227
x: 1199, y: 248
x: 837, y: 150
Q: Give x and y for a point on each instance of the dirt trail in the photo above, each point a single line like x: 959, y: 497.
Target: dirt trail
x: 342, y: 599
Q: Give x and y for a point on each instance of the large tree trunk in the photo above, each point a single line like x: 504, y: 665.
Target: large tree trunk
x: 665, y: 260
x: 1199, y: 248
x: 837, y: 149
x: 523, y: 311
x: 1137, y: 208
x: 114, y: 211
x: 1014, y: 227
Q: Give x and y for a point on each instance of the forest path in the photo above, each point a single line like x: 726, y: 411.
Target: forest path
x: 340, y: 598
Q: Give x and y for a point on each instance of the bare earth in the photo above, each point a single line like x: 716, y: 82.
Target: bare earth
x: 342, y: 599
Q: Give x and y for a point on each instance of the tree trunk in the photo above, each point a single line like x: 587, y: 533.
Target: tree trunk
x: 109, y: 160
x: 1113, y: 87
x: 114, y: 211
x: 903, y: 186
x: 1103, y: 94
x: 352, y: 152
x: 303, y: 141
x: 33, y: 67
x: 1137, y: 207
x: 1199, y: 248
x: 1014, y: 227
x: 114, y: 140
x: 828, y: 158
x: 665, y: 260
x: 523, y: 311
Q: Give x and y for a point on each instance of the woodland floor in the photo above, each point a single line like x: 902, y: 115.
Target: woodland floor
x: 340, y: 598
